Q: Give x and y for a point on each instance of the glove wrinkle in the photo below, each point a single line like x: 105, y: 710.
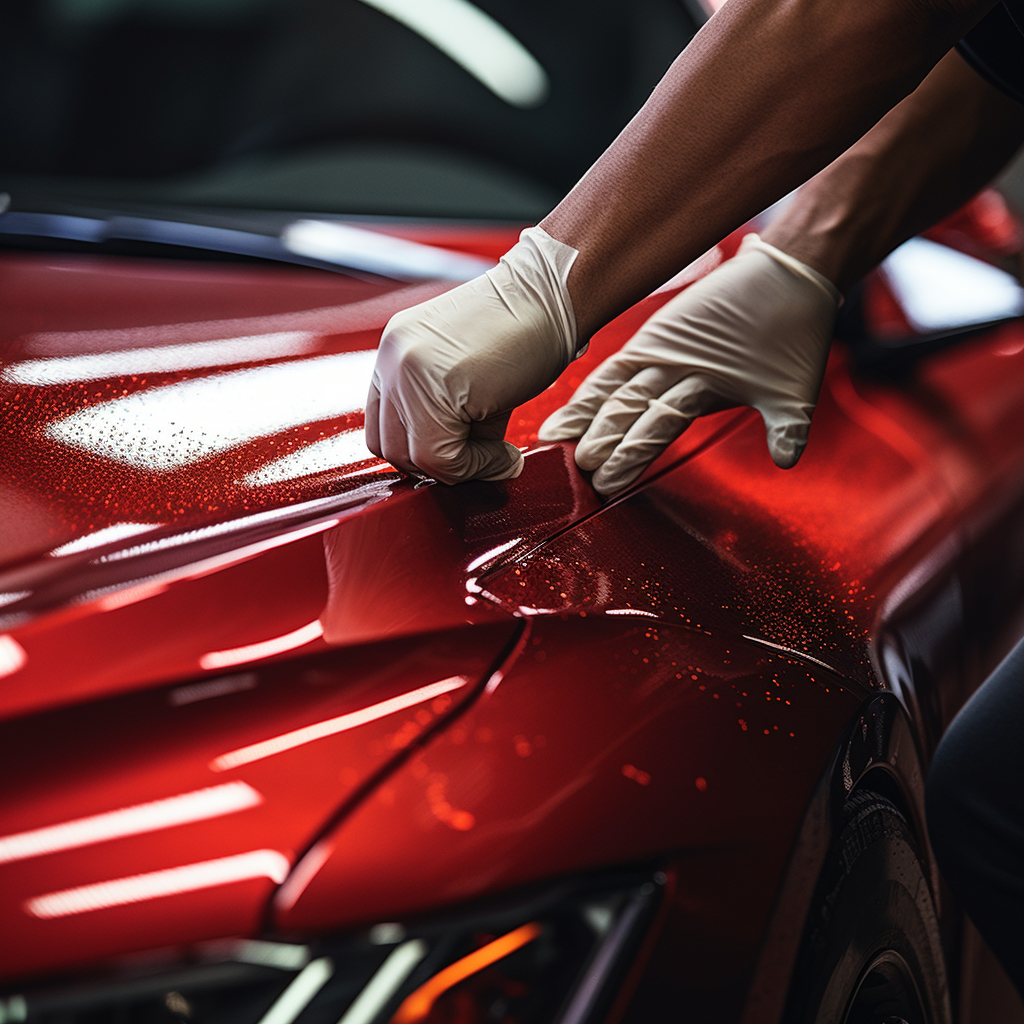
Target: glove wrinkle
x: 467, y: 358
x: 755, y: 331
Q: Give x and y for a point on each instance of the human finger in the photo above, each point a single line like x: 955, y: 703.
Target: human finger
x: 664, y: 419
x: 786, y: 433
x: 573, y: 419
x: 618, y: 413
x: 495, y: 464
x: 394, y: 438
x: 371, y: 420
x: 456, y: 452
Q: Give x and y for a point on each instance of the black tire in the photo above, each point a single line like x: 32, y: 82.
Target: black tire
x: 870, y: 952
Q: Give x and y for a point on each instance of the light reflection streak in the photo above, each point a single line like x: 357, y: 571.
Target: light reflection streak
x: 332, y: 726
x: 477, y: 43
x: 380, y: 253
x: 385, y: 983
x: 335, y: 452
x: 152, y: 885
x: 166, y: 428
x: 138, y: 361
x: 941, y: 289
x: 300, y: 992
x: 265, y: 648
x: 304, y: 872
x: 493, y: 553
x: 109, y: 534
x: 1010, y: 348
x: 630, y: 611
x: 285, y: 956
x: 872, y: 419
x: 793, y: 653
x: 498, y: 675
x: 200, y: 805
x: 12, y: 656
x: 118, y: 596
x: 14, y: 595
x: 125, y: 596
x: 217, y: 530
x: 193, y: 692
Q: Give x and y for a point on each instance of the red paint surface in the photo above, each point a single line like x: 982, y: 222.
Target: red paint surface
x: 87, y: 759
x: 610, y: 738
x: 524, y: 786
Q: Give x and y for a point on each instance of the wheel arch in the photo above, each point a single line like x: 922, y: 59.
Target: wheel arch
x: 877, y: 752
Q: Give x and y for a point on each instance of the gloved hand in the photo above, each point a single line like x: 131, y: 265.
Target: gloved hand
x: 756, y: 331
x: 450, y: 371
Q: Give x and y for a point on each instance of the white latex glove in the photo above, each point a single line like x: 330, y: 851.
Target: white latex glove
x: 756, y: 331
x: 450, y: 371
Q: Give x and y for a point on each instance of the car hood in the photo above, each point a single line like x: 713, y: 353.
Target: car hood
x: 223, y: 621
x: 225, y: 625
x: 179, y: 442
x: 205, y: 577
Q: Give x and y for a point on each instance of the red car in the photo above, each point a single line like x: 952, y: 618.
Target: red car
x: 287, y: 737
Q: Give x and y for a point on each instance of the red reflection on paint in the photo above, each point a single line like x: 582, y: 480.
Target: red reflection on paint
x: 298, y: 737
x: 12, y: 656
x: 155, y: 884
x: 212, y: 802
x: 265, y: 648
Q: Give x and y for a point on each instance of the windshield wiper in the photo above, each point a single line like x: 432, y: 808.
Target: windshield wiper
x: 326, y: 245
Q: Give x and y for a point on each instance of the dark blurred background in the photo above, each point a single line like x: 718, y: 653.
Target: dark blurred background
x: 345, y: 106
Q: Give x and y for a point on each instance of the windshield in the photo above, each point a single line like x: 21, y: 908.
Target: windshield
x: 385, y: 107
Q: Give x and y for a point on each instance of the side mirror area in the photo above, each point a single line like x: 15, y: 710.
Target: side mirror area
x: 923, y: 298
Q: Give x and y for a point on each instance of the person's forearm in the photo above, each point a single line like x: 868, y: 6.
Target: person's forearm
x: 768, y: 93
x: 922, y: 161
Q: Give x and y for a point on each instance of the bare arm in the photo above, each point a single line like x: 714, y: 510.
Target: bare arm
x: 922, y: 161
x: 768, y: 93
x: 757, y: 330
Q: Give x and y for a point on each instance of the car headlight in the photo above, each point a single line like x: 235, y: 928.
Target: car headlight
x: 555, y: 956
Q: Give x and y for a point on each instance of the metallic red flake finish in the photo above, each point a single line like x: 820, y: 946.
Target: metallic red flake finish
x: 255, y: 682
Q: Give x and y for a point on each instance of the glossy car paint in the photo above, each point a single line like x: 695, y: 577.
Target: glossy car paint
x: 667, y: 677
x: 182, y: 744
